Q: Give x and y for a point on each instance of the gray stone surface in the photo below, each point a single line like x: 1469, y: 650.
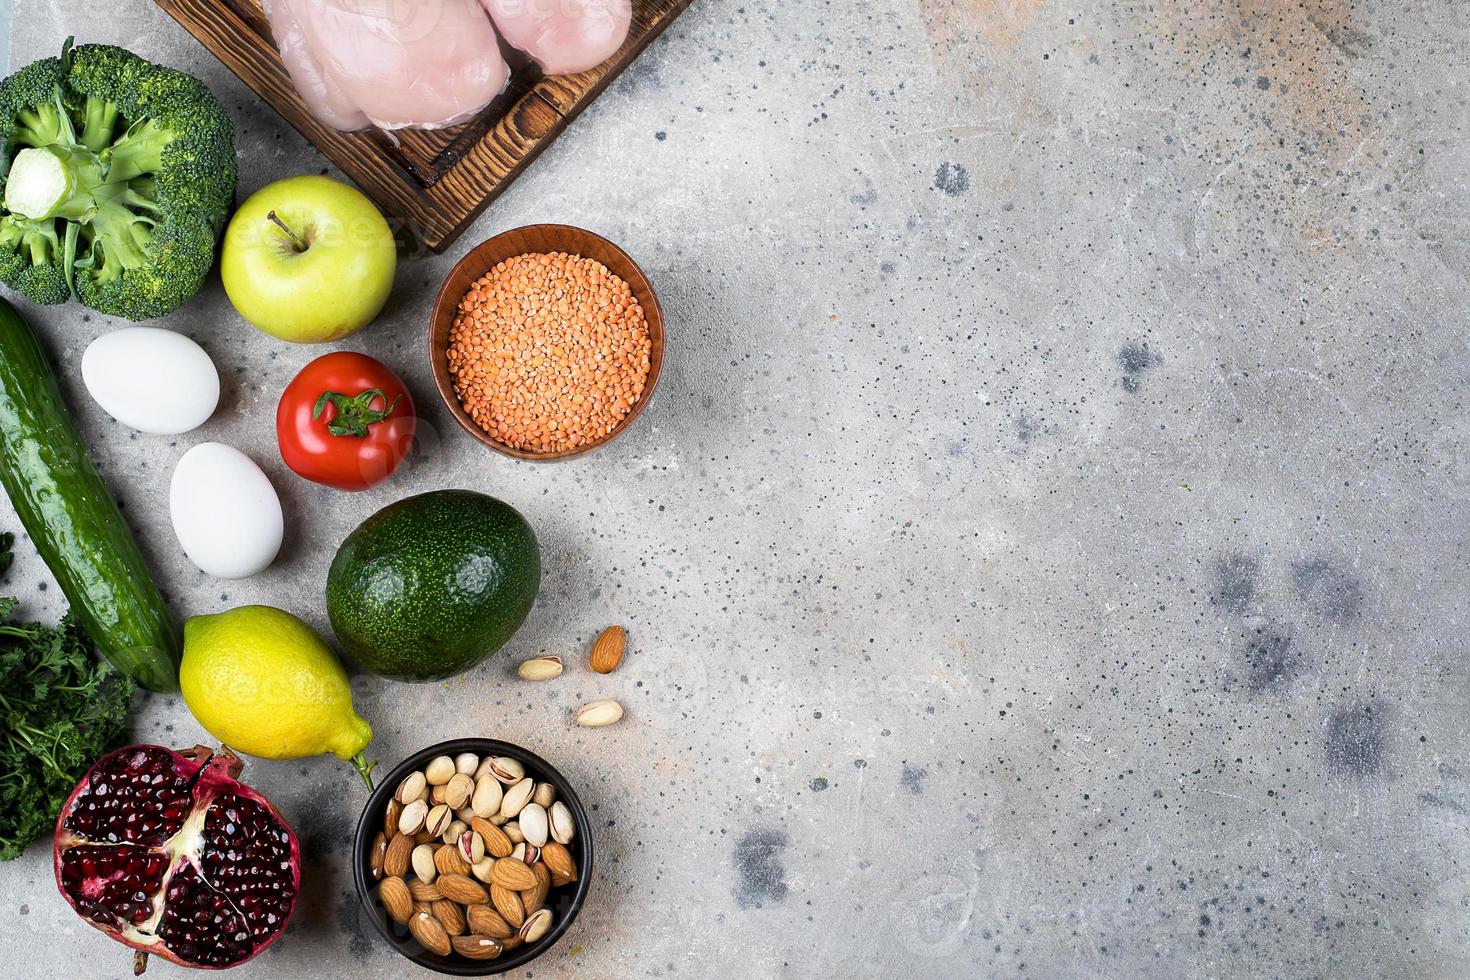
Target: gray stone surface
x: 1044, y: 555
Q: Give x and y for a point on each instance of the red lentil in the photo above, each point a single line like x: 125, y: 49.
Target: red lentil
x: 549, y: 351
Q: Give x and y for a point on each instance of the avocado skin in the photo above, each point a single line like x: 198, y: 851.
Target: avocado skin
x: 433, y: 584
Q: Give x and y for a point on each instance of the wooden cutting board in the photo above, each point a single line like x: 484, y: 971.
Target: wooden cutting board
x: 435, y: 181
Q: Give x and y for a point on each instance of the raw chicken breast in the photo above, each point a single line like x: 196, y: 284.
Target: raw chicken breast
x: 320, y: 91
x: 423, y: 63
x: 564, y: 36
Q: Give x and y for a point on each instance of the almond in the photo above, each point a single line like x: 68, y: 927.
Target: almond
x: 486, y: 921
x: 559, y: 860
x: 449, y: 861
x: 449, y: 916
x: 427, y: 930
x: 514, y: 875
x: 424, y: 891
x: 476, y: 947
x: 607, y: 650
x: 396, y: 857
x: 508, y: 903
x: 533, y: 898
x: 390, y: 818
x: 376, y: 853
x: 497, y: 845
x: 393, y: 893
x: 466, y: 891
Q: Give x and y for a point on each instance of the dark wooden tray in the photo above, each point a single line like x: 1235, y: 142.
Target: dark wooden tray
x: 434, y: 181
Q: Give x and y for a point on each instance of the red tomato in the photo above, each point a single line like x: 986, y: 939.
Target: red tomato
x: 346, y: 421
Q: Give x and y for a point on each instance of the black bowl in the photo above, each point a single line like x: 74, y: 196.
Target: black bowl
x: 564, y: 902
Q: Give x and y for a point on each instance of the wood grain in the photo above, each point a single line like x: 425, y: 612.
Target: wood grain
x: 436, y: 182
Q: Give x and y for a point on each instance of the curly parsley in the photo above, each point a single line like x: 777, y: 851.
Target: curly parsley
x: 63, y: 707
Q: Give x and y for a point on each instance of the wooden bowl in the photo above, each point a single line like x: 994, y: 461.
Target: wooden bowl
x: 518, y: 241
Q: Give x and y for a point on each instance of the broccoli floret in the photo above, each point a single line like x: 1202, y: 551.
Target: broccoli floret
x: 177, y: 130
x: 134, y: 267
x: 29, y: 114
x: 31, y: 259
x: 117, y: 174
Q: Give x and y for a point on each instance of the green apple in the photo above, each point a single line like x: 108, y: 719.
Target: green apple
x: 308, y: 259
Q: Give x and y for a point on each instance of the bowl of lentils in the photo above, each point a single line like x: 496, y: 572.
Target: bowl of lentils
x: 546, y: 342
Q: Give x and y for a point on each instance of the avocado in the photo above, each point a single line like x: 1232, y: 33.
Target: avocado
x: 433, y: 584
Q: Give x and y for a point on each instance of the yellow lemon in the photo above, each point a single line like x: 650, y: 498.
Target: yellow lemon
x: 259, y: 680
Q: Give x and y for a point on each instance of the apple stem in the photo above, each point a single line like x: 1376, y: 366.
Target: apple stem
x: 297, y: 242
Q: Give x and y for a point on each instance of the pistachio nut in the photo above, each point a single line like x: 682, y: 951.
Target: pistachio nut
x: 563, y: 827
x: 533, y: 823
x: 411, y: 820
x: 457, y: 791
x: 439, y: 770
x: 412, y: 788
x: 536, y: 926
x: 544, y: 795
x: 471, y: 847
x: 507, y: 770
x: 467, y: 763
x: 423, y: 863
x: 487, y: 796
x: 599, y: 714
x: 516, y: 797
x: 438, y: 820
x: 539, y: 668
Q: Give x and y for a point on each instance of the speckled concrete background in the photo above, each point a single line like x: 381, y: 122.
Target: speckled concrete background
x: 1045, y: 553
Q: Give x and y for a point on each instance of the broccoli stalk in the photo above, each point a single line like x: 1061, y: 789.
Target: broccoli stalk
x: 55, y: 181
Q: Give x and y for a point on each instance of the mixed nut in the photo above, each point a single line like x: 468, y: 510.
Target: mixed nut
x: 604, y: 657
x: 469, y: 851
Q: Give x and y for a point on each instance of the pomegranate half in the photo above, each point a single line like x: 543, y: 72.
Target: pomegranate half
x: 169, y: 853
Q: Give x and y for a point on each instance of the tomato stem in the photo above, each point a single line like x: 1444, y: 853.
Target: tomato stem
x: 354, y: 413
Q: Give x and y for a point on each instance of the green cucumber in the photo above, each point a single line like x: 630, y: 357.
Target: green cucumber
x: 72, y: 518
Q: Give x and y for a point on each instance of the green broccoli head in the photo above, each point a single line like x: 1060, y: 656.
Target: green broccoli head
x: 116, y: 174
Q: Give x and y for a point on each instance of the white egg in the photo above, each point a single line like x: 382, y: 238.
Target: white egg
x: 225, y: 511
x: 151, y: 379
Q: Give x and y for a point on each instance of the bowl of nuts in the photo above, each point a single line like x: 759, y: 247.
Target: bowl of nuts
x: 546, y: 341
x: 472, y: 857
